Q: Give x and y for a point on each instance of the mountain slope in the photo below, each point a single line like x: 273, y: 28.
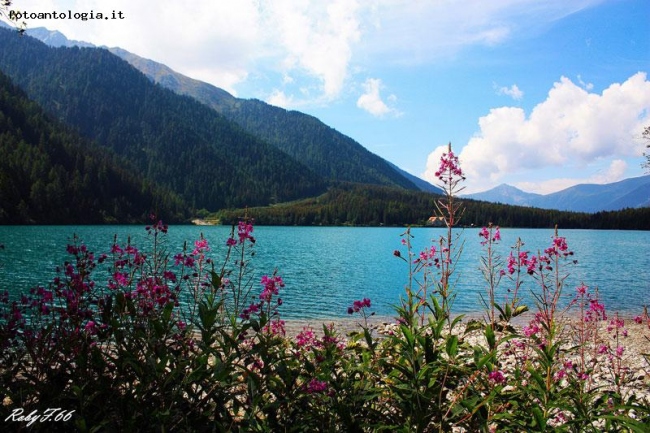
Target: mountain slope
x: 422, y: 184
x: 305, y: 138
x: 633, y: 192
x: 323, y: 149
x: 505, y: 194
x: 49, y: 175
x: 172, y: 140
x: 628, y: 193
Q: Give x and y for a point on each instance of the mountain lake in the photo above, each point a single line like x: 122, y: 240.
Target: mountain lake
x: 326, y: 268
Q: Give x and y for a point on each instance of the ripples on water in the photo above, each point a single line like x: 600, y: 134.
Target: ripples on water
x: 326, y: 268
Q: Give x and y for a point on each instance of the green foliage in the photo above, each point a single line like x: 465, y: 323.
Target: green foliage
x: 172, y: 140
x: 371, y: 205
x: 123, y: 355
x: 48, y: 174
x: 324, y: 150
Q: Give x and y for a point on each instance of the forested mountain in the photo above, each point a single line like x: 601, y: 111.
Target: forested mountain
x: 158, y: 151
x: 172, y: 140
x: 50, y: 175
x: 372, y: 205
x: 627, y: 193
x: 328, y: 152
x: 324, y: 150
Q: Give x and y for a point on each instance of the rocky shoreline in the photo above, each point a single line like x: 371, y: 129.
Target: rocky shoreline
x: 632, y: 366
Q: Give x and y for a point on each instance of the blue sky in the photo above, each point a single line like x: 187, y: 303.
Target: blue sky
x: 538, y: 94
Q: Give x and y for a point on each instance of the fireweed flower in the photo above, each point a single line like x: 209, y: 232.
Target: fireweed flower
x: 531, y: 330
x: 510, y: 264
x: 615, y: 324
x: 244, y: 230
x: 276, y: 327
x: 305, y: 338
x: 246, y: 313
x: 169, y: 275
x: 316, y: 386
x: 449, y: 167
x: 497, y: 377
x: 485, y: 234
x: 359, y: 305
x: 596, y: 311
x: 271, y: 287
x: 427, y: 257
x: 200, y: 247
x: 90, y: 328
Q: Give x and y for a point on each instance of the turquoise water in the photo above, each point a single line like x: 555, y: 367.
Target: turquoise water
x: 326, y: 268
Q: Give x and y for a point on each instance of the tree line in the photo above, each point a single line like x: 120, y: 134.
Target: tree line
x: 372, y: 205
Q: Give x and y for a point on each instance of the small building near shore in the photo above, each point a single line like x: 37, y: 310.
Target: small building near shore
x: 436, y: 221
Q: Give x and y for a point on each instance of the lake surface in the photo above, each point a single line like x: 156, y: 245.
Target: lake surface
x: 326, y: 268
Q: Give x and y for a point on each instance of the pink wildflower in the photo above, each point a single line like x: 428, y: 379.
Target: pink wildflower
x: 90, y: 328
x: 359, y: 305
x: 305, y: 338
x: 200, y: 246
x: 497, y: 376
x: 316, y: 386
x: 244, y: 230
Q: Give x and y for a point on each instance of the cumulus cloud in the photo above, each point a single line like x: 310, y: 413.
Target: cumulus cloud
x: 279, y: 99
x: 571, y: 127
x: 513, y: 91
x: 319, y: 45
x: 207, y: 40
x: 371, y: 100
x: 315, y: 38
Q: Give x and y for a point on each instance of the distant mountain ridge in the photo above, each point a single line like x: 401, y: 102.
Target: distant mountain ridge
x: 324, y: 150
x: 628, y: 193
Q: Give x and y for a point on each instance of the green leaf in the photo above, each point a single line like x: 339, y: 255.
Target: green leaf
x: 215, y: 280
x: 539, y: 418
x: 520, y: 310
x: 473, y: 325
x: 452, y: 345
x: 490, y: 337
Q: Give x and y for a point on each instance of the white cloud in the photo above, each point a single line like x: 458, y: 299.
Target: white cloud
x: 214, y: 41
x: 586, y: 86
x: 316, y: 39
x: 571, y: 128
x: 513, y: 91
x: 420, y: 31
x: 319, y: 45
x: 371, y: 100
x: 279, y: 99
